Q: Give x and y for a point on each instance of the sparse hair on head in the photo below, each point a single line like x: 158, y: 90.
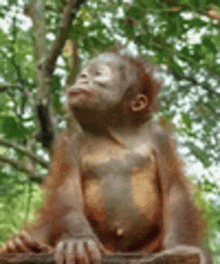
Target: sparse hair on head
x: 139, y: 74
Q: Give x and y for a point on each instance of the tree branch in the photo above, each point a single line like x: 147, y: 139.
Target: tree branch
x: 22, y: 150
x: 74, y: 61
x: 38, y: 258
x: 65, y: 26
x: 14, y: 163
x: 46, y: 135
x: 5, y: 86
x: 209, y: 13
x: 46, y: 60
x: 191, y: 79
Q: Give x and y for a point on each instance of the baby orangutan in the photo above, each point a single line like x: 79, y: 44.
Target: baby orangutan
x: 118, y: 185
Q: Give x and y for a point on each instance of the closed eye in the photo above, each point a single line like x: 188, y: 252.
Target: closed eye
x: 100, y: 84
x: 98, y: 74
x: 82, y: 75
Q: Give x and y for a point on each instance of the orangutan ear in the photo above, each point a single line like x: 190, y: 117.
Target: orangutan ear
x: 139, y: 103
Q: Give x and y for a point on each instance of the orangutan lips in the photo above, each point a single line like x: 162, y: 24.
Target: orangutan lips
x: 77, y: 91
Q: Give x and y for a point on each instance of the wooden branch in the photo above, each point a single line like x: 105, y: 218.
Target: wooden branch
x: 209, y: 13
x: 75, y: 62
x: 40, y: 258
x: 179, y: 76
x: 212, y: 14
x: 46, y: 57
x: 5, y: 86
x: 17, y: 165
x: 46, y: 135
x: 65, y: 25
x: 22, y: 150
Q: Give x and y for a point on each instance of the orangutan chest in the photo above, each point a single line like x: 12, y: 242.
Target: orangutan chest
x: 120, y: 182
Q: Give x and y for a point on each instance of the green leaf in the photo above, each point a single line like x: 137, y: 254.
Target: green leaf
x: 5, y: 189
x: 12, y: 128
x: 142, y: 39
x: 207, y: 42
x: 12, y: 2
x: 216, y: 9
x: 141, y: 3
x: 199, y: 3
x: 135, y: 12
x: 187, y: 120
x: 199, y: 154
x: 4, y: 99
x: 174, y: 25
x: 176, y: 67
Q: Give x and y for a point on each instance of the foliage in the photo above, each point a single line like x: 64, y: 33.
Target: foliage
x: 18, y: 202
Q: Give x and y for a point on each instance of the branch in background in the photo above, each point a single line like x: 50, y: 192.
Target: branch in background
x: 46, y: 62
x: 209, y: 13
x: 46, y: 135
x: 72, y: 45
x: 18, y: 166
x: 212, y: 14
x: 65, y: 26
x: 78, y: 4
x: 22, y: 150
x: 128, y: 258
x: 5, y: 86
x: 191, y: 79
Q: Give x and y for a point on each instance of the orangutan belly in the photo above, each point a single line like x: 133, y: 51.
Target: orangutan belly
x: 122, y: 196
